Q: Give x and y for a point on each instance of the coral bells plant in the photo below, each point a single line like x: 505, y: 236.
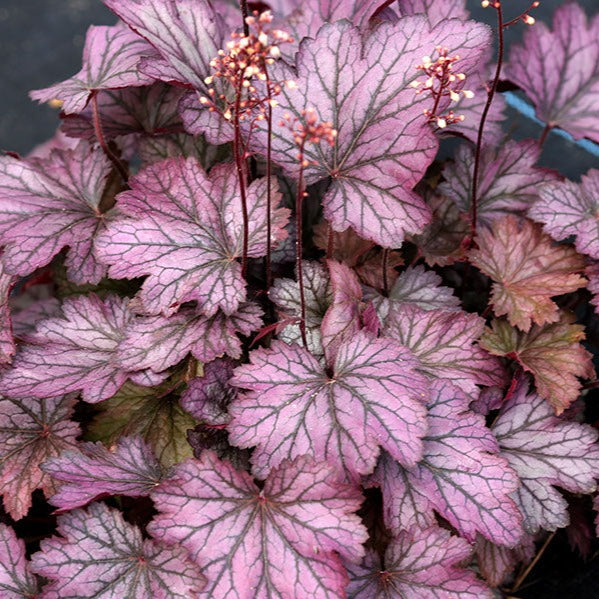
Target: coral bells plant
x: 262, y: 339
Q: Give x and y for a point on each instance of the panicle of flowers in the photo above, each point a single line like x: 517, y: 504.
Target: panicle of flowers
x: 245, y: 60
x: 525, y: 17
x: 308, y: 129
x: 441, y: 81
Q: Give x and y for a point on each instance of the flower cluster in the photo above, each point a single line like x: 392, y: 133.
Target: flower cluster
x: 246, y: 59
x: 441, y: 82
x: 308, y: 130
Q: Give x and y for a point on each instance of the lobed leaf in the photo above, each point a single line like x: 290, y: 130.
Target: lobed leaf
x: 436, y: 11
x: 566, y: 208
x: 509, y: 181
x: 184, y: 229
x: 445, y: 344
x: 460, y: 475
x: 284, y: 540
x: 545, y: 451
x: 16, y: 579
x: 31, y: 431
x: 158, y: 342
x: 291, y: 406
x: 7, y: 343
x: 74, y: 352
x: 528, y: 270
x: 129, y: 468
x: 559, y: 71
x: 111, y: 56
x: 384, y: 144
x: 101, y: 555
x: 551, y: 353
x: 48, y: 204
x: 419, y: 563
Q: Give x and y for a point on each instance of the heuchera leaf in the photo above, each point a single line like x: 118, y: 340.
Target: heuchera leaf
x: 153, y: 413
x: 110, y: 60
x: 16, y: 579
x: 101, y: 555
x: 207, y: 397
x: 284, y: 540
x: 528, y: 269
x: 292, y: 406
x: 77, y: 352
x: 559, y: 71
x: 157, y: 342
x: 592, y: 273
x: 460, y: 475
x: 130, y: 468
x: 318, y: 297
x: 495, y: 562
x: 545, y: 451
x: 435, y: 10
x: 184, y: 229
x: 444, y: 343
x: 419, y: 563
x: 31, y: 431
x: 186, y: 33
x: 419, y: 286
x: 551, y: 353
x: 7, y: 343
x: 49, y: 204
x: 567, y: 208
x: 384, y: 144
x: 509, y: 181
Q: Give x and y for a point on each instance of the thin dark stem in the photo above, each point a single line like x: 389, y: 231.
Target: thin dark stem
x: 544, y: 134
x: 298, y: 243
x: 385, y: 267
x: 240, y: 163
x: 120, y: 167
x: 330, y: 241
x: 268, y: 183
x: 532, y: 564
x: 243, y: 5
x: 516, y: 19
x: 483, y: 118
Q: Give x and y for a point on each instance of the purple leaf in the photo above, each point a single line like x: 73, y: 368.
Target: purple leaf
x: 207, y: 397
x: 49, y: 204
x: 545, y: 451
x: 566, y: 208
x: 101, y: 555
x: 372, y: 398
x: 110, y: 61
x: 496, y: 562
x: 342, y: 320
x: 419, y: 286
x: 16, y: 580
x: 551, y: 353
x: 130, y: 469
x: 186, y: 33
x: 7, y: 343
x: 509, y: 181
x: 184, y: 229
x: 284, y: 540
x: 149, y: 110
x: 36, y: 303
x: 153, y: 413
x: 592, y: 273
x: 157, y: 342
x: 460, y: 475
x: 444, y: 343
x: 559, y: 71
x: 527, y: 268
x: 418, y: 564
x: 384, y: 144
x: 77, y: 352
x: 435, y: 10
x: 318, y: 297
x: 31, y: 431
